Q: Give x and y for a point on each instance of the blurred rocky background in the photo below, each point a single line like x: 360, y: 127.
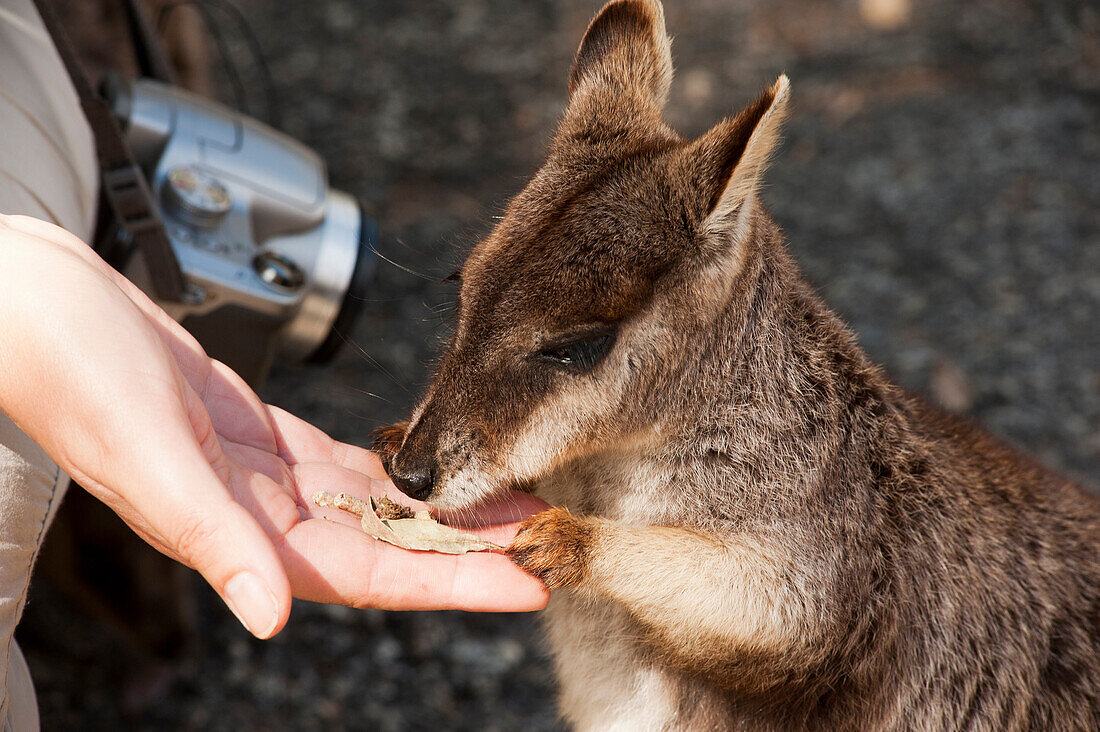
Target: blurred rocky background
x: 940, y: 182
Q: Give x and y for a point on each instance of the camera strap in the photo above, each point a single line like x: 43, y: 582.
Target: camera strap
x: 125, y: 194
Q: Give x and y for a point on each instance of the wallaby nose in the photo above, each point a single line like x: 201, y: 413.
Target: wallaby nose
x: 416, y: 483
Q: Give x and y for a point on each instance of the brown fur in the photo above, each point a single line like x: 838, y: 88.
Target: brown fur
x: 553, y: 546
x: 765, y: 532
x: 386, y: 441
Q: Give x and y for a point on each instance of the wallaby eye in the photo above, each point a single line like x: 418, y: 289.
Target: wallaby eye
x: 578, y: 355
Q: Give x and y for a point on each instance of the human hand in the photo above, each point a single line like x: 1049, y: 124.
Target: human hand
x: 128, y: 404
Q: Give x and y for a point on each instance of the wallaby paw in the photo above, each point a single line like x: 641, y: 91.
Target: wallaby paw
x: 553, y: 546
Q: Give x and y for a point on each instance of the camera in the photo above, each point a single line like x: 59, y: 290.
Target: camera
x: 276, y: 263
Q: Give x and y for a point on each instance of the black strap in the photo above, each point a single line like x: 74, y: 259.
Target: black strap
x: 149, y: 53
x: 124, y: 187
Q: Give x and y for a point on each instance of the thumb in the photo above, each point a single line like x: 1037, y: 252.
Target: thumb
x: 214, y: 534
x: 225, y: 544
x: 176, y: 501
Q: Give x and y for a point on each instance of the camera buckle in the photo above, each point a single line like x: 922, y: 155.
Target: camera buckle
x: 137, y: 219
x: 130, y: 199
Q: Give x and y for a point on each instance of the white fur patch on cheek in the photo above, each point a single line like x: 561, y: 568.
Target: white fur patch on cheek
x: 551, y: 432
x: 554, y: 430
x: 542, y: 438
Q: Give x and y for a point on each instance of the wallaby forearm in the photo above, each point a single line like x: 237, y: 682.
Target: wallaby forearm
x: 669, y: 578
x: 704, y: 596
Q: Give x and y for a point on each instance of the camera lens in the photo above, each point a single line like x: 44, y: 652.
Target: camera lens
x: 354, y: 296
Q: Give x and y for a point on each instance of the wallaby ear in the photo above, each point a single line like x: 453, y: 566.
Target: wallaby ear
x: 728, y: 162
x: 621, y: 74
x: 626, y: 48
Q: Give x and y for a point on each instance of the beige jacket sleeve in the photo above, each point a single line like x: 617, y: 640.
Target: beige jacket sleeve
x: 47, y: 155
x: 47, y: 170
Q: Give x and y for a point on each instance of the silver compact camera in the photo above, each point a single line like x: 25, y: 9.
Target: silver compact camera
x: 276, y: 262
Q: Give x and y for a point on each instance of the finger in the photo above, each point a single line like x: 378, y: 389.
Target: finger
x: 203, y: 527
x: 359, y: 460
x: 269, y: 500
x: 234, y: 554
x: 171, y: 493
x: 296, y: 440
x: 136, y: 435
x: 237, y: 413
x: 332, y: 563
x: 300, y: 442
x: 249, y: 459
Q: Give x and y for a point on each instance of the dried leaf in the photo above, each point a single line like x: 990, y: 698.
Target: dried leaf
x: 388, y: 509
x: 342, y: 501
x: 421, y: 533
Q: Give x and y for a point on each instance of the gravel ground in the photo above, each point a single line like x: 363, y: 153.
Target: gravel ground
x: 940, y: 182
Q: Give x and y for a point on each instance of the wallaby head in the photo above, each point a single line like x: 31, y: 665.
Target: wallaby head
x: 577, y: 310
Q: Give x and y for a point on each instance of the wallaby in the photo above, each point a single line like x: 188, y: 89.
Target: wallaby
x: 758, y: 530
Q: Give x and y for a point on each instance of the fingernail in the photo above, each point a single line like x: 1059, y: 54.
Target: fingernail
x: 253, y: 603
